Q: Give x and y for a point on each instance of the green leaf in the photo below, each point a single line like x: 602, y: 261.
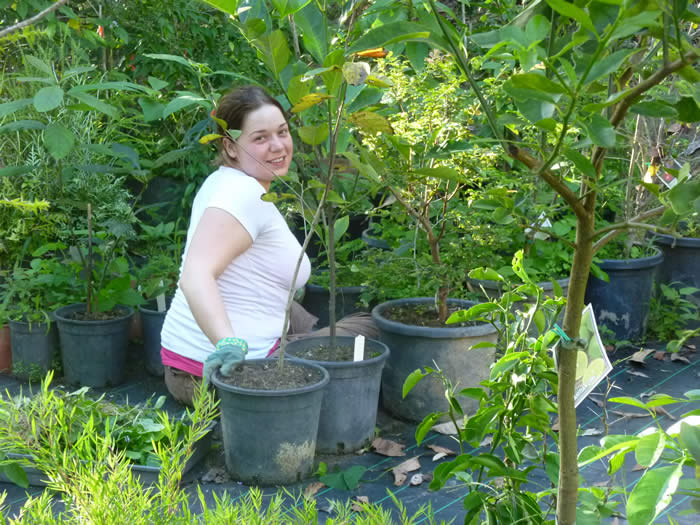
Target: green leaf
x: 569, y: 9
x: 506, y: 362
x: 493, y: 463
x: 10, y: 107
x: 172, y: 156
x: 634, y: 24
x: 95, y: 103
x: 59, y: 141
x: 412, y: 380
x: 387, y: 34
x: 13, y: 171
x: 48, y: 98
x: 475, y: 312
x: 313, y: 135
x: 600, y: 131
x: 352, y: 476
x: 474, y: 392
x: 654, y: 108
x: 273, y: 51
x: 607, y: 65
x: 486, y: 274
x: 20, y: 125
x: 690, y: 437
x: 483, y: 344
x: 425, y: 425
x: 152, y: 110
x: 169, y: 58
x: 650, y: 448
x: 652, y: 494
x: 443, y: 173
x: 16, y: 474
x: 629, y: 401
x: 227, y: 6
x: 536, y: 82
x: 314, y: 31
x: 688, y: 110
x: 288, y: 7
x: 157, y: 83
x: 182, y: 102
x: 417, y: 52
x: 39, y: 64
x: 340, y: 227
x: 535, y: 110
x: 683, y: 196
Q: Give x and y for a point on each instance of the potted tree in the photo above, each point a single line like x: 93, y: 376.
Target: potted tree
x: 94, y: 334
x: 31, y: 296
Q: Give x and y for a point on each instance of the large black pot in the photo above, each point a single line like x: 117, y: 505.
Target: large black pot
x: 316, y: 301
x: 93, y: 352
x: 622, y: 304
x: 413, y: 347
x: 681, y: 266
x: 349, y: 408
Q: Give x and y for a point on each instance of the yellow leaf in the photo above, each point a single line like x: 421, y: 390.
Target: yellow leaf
x: 355, y: 73
x: 221, y: 122
x: 371, y: 122
x: 206, y: 139
x: 377, y: 52
x: 380, y: 82
x: 308, y: 101
x: 74, y: 23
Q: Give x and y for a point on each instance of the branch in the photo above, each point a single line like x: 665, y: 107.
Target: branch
x: 623, y: 106
x: 35, y: 18
x: 614, y: 230
x: 550, y: 178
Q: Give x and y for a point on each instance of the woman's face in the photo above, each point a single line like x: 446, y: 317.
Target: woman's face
x: 264, y: 148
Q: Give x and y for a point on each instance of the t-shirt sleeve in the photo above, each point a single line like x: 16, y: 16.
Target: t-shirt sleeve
x: 240, y: 196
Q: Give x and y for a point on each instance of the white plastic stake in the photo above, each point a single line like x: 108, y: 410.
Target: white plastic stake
x: 359, y: 348
x: 160, y: 300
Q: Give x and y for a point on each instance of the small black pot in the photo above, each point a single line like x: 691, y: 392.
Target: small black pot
x: 316, y: 301
x: 34, y: 345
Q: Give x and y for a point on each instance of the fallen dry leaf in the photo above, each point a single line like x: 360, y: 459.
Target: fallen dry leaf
x: 636, y: 373
x: 486, y: 441
x: 439, y: 456
x: 555, y: 425
x: 416, y: 479
x: 216, y: 475
x: 404, y: 468
x: 442, y: 450
x: 661, y: 410
x: 678, y: 357
x: 598, y: 402
x: 640, y: 356
x: 386, y: 447
x: 601, y: 483
x: 638, y: 467
x: 356, y: 507
x: 592, y: 432
x: 312, y: 488
x: 690, y: 346
x: 660, y: 355
x: 630, y: 415
x: 448, y: 428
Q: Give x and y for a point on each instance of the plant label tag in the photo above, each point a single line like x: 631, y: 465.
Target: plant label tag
x: 160, y: 300
x: 359, y: 354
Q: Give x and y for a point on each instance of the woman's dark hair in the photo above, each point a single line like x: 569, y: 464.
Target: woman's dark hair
x: 235, y: 106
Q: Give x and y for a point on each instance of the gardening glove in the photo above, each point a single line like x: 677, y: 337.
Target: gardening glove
x: 229, y: 352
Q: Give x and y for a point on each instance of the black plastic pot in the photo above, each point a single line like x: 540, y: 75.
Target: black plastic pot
x: 270, y: 436
x: 413, y: 347
x: 93, y: 352
x: 34, y: 346
x: 349, y: 408
x: 152, y: 323
x: 681, y: 264
x: 316, y: 299
x: 622, y: 305
x: 374, y: 242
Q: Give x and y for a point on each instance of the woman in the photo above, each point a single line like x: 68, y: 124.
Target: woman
x: 240, y: 255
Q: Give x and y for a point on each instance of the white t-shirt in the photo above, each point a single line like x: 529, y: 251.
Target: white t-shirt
x: 255, y: 286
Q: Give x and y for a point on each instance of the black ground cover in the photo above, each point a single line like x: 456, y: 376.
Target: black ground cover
x: 668, y: 377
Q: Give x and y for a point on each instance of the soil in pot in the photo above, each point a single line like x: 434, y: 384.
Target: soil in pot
x: 96, y: 316
x: 423, y: 315
x: 335, y: 353
x: 270, y: 376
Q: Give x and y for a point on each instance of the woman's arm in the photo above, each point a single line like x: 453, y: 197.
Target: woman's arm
x: 218, y: 240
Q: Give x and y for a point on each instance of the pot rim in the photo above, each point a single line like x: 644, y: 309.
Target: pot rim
x: 60, y: 312
x: 640, y: 263
x: 676, y: 242
x: 325, y: 378
x: 344, y: 364
x: 388, y: 325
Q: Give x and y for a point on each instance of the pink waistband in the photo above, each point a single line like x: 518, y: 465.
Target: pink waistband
x: 190, y: 365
